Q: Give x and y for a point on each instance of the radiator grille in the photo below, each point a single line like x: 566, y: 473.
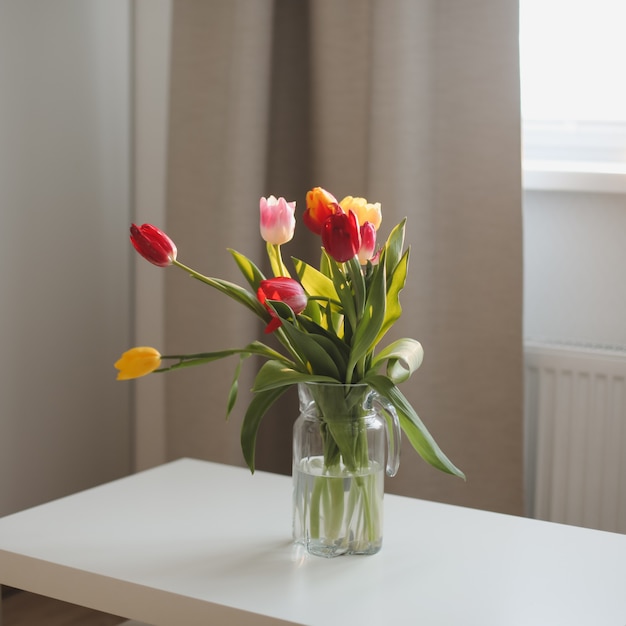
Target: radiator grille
x: 575, y: 415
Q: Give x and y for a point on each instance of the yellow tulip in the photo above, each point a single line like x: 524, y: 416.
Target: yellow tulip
x: 137, y: 362
x: 365, y: 211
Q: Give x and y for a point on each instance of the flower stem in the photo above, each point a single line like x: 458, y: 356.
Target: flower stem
x: 276, y: 260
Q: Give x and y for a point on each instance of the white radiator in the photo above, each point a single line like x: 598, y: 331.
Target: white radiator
x: 575, y: 416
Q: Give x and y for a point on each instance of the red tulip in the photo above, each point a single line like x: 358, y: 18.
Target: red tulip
x: 153, y: 244
x: 285, y: 290
x: 341, y: 236
x: 320, y: 205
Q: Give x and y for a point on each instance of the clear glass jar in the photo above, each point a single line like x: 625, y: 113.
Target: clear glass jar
x: 338, y: 468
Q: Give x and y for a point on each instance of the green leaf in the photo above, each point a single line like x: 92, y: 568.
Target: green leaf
x: 234, y: 388
x: 241, y: 295
x: 325, y: 262
x: 344, y: 293
x: 200, y: 358
x: 314, y: 312
x: 369, y: 325
x: 358, y: 285
x: 336, y: 348
x: 257, y: 408
x: 323, y: 306
x: 412, y: 426
x: 250, y: 271
x: 314, y: 282
x: 335, y: 322
x: 313, y: 351
x: 308, y: 347
x: 403, y: 357
x: 275, y: 374
x: 393, y: 247
x: 393, y: 309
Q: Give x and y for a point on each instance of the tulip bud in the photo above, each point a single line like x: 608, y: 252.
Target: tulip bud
x: 320, y: 205
x: 137, y: 362
x: 281, y: 289
x: 341, y: 237
x: 153, y: 244
x: 278, y: 220
x: 368, y: 242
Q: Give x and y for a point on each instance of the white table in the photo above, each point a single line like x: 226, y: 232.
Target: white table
x: 196, y: 543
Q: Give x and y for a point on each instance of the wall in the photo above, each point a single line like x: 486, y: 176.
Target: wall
x: 64, y: 254
x: 574, y: 292
x: 574, y: 266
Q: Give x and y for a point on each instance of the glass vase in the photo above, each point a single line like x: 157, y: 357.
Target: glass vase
x: 339, y: 443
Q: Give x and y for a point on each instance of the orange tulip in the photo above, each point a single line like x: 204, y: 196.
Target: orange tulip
x: 320, y: 205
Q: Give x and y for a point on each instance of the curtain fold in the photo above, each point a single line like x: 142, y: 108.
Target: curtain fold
x: 414, y: 104
x: 218, y: 129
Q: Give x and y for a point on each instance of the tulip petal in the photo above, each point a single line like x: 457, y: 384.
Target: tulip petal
x: 281, y: 289
x: 278, y: 220
x: 341, y: 237
x: 137, y: 362
x: 368, y: 242
x: 365, y: 211
x: 153, y: 244
x: 320, y: 205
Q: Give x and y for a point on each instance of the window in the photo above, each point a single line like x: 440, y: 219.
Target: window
x: 573, y: 69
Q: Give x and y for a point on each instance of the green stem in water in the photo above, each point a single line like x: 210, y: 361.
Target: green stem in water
x: 334, y: 515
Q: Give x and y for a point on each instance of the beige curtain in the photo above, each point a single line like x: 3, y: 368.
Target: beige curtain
x: 412, y: 103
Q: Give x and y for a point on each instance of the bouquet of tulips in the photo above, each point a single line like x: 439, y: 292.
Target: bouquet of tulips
x: 328, y: 321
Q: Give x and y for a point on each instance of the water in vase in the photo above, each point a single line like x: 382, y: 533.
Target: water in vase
x: 338, y: 511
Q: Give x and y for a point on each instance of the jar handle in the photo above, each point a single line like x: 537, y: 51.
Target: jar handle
x: 394, y: 433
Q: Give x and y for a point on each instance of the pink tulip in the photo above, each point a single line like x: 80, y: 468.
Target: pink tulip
x: 278, y: 220
x: 368, y: 242
x: 153, y: 244
x: 285, y: 290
